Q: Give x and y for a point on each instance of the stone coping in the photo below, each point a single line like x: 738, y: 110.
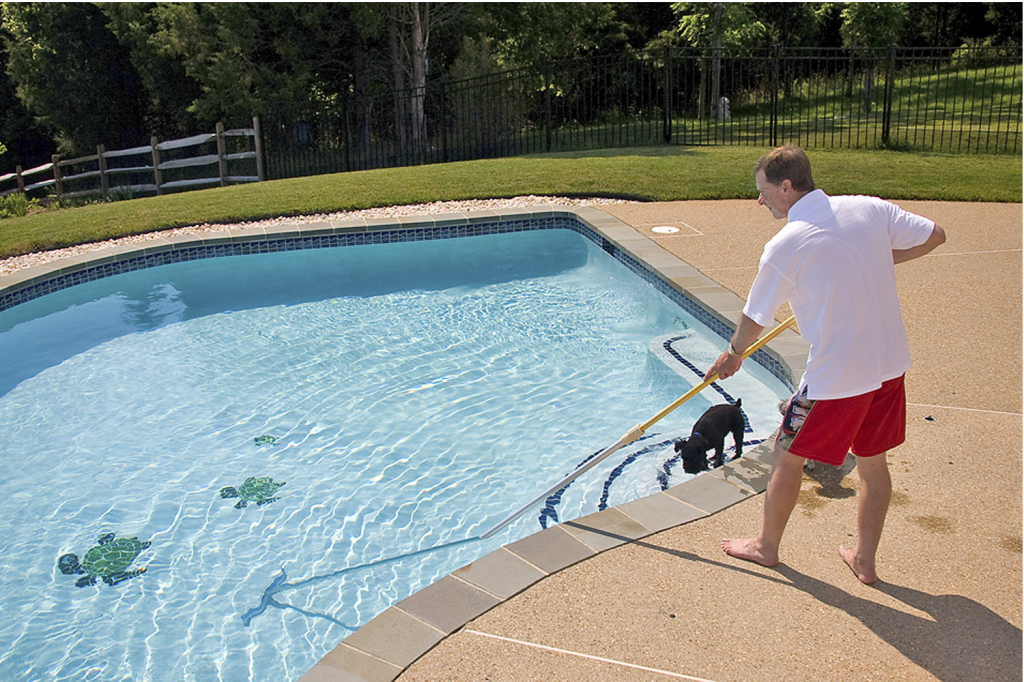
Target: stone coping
x: 383, y: 648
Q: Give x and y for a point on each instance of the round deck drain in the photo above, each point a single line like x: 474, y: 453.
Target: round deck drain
x: 665, y: 229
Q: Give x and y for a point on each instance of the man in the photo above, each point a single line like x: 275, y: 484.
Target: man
x: 833, y: 262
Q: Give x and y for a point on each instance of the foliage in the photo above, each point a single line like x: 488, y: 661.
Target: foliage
x: 872, y: 24
x: 718, y: 24
x: 523, y: 33
x: 16, y: 205
x: 70, y: 71
x: 116, y: 73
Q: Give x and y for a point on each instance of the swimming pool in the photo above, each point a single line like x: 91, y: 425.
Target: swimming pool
x: 407, y: 394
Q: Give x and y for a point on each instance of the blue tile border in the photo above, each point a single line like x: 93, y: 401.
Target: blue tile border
x: 292, y: 238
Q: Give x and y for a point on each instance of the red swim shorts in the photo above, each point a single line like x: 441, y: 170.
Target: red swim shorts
x: 867, y: 424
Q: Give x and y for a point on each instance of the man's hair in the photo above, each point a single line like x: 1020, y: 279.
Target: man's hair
x: 787, y: 163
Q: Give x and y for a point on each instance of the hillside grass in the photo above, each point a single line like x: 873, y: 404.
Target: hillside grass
x: 656, y: 173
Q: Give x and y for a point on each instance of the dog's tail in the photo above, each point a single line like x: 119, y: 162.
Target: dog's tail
x: 739, y: 402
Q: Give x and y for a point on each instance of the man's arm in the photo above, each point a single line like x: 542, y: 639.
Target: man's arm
x: 728, y: 363
x: 937, y: 238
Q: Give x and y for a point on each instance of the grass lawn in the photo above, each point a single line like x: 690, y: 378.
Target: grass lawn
x: 658, y: 173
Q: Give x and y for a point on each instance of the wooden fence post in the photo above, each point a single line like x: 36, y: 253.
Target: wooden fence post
x: 104, y: 180
x: 258, y: 145
x: 222, y: 163
x: 156, y: 164
x: 21, y: 180
x: 58, y: 183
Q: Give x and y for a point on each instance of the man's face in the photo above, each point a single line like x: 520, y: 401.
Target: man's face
x: 775, y: 197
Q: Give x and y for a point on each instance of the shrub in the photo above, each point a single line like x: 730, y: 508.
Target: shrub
x: 16, y: 205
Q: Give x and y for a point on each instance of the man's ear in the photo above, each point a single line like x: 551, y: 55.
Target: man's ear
x: 786, y: 185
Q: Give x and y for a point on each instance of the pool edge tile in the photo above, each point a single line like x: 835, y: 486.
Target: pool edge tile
x: 606, y: 529
x: 501, y: 573
x: 660, y: 511
x: 708, y: 493
x: 344, y: 663
x: 449, y: 603
x: 396, y: 637
x: 551, y: 549
x: 746, y: 472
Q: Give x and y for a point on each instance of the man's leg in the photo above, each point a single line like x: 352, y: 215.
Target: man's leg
x: 779, y: 501
x: 875, y: 493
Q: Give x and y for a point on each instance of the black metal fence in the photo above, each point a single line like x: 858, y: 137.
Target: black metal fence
x: 964, y: 100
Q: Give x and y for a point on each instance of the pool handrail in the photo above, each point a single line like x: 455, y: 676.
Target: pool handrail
x: 631, y: 435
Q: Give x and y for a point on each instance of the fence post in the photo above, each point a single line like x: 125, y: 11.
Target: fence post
x: 21, y: 180
x: 773, y: 124
x: 58, y: 183
x: 258, y: 146
x: 444, y: 121
x: 890, y: 78
x: 547, y: 107
x: 347, y: 111
x: 222, y: 163
x: 104, y: 180
x: 156, y: 164
x: 666, y: 119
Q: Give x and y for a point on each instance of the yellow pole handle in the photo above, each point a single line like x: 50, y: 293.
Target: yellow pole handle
x: 707, y: 382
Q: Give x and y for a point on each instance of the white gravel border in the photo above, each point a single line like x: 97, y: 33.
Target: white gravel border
x: 16, y: 263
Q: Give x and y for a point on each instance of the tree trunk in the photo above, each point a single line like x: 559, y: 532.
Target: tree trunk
x: 420, y: 37
x: 869, y: 87
x: 716, y: 64
x: 398, y: 75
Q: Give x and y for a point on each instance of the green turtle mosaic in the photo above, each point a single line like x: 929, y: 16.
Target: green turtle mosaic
x: 107, y: 561
x: 259, y: 490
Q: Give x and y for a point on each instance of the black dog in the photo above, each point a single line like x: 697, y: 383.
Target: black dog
x: 709, y: 432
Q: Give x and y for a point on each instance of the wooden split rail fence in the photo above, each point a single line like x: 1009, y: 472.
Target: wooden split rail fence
x: 160, y: 161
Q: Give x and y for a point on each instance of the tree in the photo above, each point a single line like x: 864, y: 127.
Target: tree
x: 228, y: 49
x: 1005, y: 19
x: 26, y: 144
x: 411, y: 26
x: 521, y: 34
x: 713, y: 26
x: 791, y: 24
x: 868, y: 26
x: 170, y: 89
x: 72, y: 75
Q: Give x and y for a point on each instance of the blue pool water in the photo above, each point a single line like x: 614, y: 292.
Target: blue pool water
x: 413, y: 394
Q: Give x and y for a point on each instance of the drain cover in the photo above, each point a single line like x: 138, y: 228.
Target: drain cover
x: 665, y: 229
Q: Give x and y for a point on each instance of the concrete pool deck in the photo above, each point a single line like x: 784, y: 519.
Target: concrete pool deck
x: 591, y: 601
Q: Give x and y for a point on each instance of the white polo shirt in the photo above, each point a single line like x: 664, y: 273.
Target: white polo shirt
x: 833, y: 263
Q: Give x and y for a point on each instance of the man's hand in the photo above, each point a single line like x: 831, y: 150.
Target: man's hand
x: 728, y: 363
x: 725, y: 366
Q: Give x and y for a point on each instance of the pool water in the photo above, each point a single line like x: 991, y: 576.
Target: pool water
x: 406, y: 395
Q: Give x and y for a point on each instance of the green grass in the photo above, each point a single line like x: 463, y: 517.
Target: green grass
x: 659, y: 173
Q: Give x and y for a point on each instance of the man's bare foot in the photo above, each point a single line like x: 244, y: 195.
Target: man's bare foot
x: 868, y: 577
x: 750, y: 549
